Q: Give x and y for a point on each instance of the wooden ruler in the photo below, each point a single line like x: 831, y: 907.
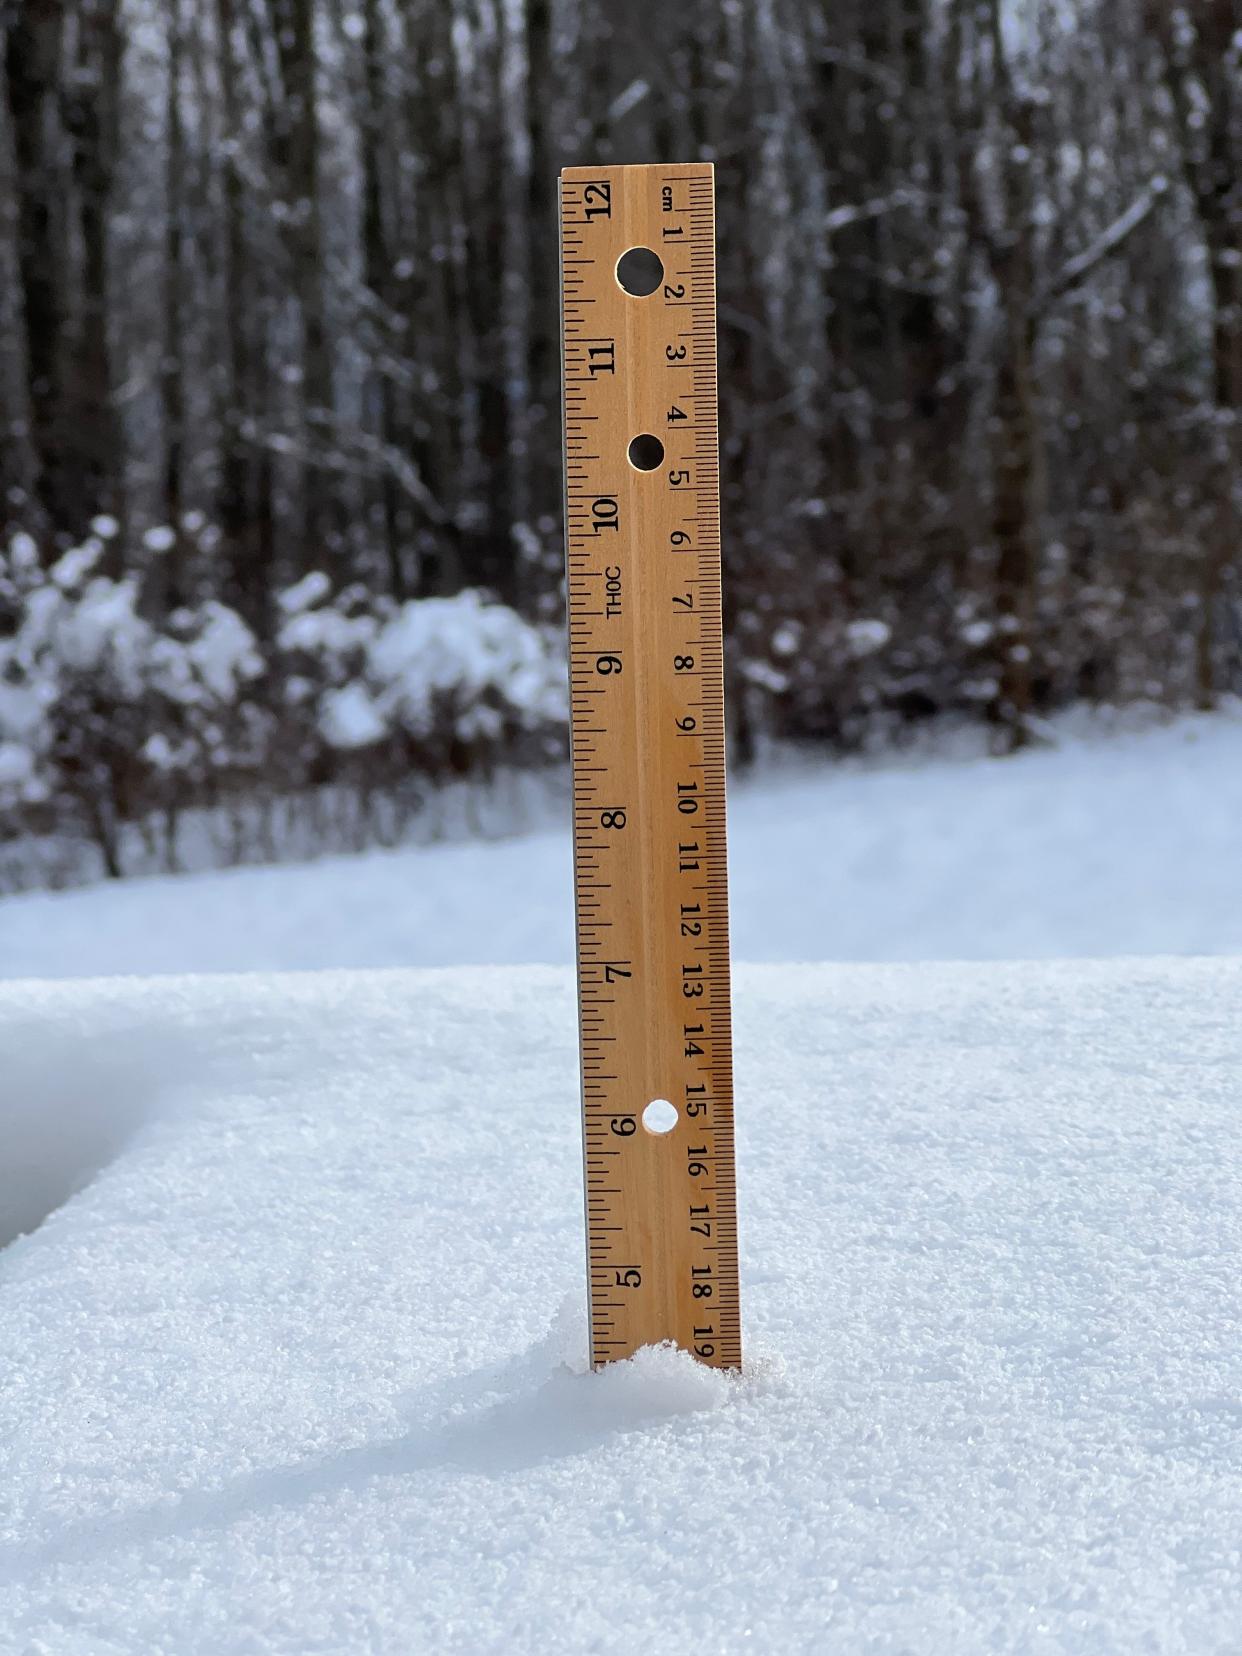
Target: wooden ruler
x: 643, y: 531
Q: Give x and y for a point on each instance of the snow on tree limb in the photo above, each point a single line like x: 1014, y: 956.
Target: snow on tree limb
x: 1074, y: 272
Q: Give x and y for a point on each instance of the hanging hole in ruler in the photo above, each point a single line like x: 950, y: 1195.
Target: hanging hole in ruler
x: 640, y: 271
x: 660, y: 1116
x: 646, y: 452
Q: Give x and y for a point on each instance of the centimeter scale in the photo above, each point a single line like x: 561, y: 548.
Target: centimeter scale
x: 647, y: 691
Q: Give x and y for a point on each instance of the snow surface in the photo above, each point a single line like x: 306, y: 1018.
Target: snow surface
x: 294, y: 1372
x: 1130, y: 844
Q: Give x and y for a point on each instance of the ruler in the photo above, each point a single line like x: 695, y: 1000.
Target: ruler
x: 642, y: 489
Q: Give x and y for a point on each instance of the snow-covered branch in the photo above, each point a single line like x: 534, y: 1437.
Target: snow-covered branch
x: 1074, y: 272
x: 840, y: 218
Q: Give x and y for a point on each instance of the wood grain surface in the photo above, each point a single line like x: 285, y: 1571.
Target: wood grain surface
x: 643, y: 532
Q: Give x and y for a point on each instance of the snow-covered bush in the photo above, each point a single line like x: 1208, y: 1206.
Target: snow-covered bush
x: 109, y: 721
x: 445, y: 684
x: 104, y: 714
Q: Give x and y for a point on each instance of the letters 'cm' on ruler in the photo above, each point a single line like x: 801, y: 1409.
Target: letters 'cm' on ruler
x: 647, y: 699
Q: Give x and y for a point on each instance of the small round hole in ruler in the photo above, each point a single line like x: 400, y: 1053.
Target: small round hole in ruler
x: 640, y: 271
x: 646, y: 452
x: 660, y: 1116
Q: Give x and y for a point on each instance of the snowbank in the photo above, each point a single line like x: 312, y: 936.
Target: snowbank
x: 294, y: 1372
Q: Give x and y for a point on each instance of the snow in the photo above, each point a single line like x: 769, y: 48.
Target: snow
x: 214, y: 662
x: 463, y: 647
x: 84, y: 675
x: 461, y: 664
x: 327, y: 631
x: 311, y: 589
x: 86, y: 631
x: 292, y: 1343
x: 82, y: 652
x: 297, y: 1369
x: 350, y: 719
x: 16, y: 765
x: 73, y: 566
x: 1125, y: 845
x: 23, y: 552
x: 866, y: 637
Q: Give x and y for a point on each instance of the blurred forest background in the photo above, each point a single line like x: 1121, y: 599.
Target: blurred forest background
x: 280, y: 534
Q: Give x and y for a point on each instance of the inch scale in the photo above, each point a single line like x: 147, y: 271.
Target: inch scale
x: 647, y: 697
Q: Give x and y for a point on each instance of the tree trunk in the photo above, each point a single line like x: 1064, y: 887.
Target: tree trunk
x: 1014, y: 527
x: 245, y: 505
x: 379, y: 405
x: 1201, y: 71
x: 297, y: 126
x: 92, y: 114
x: 166, y: 585
x: 33, y: 46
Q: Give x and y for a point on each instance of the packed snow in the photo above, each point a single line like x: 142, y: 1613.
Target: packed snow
x: 1129, y: 843
x: 295, y: 1365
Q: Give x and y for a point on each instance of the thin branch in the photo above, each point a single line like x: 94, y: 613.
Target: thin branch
x: 371, y: 458
x: 839, y: 218
x: 860, y: 65
x: 1000, y: 58
x: 1074, y: 272
x: 630, y: 99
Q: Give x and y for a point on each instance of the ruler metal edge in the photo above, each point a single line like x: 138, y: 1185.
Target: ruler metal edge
x: 661, y: 1211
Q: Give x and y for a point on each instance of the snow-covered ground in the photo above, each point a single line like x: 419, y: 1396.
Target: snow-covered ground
x: 291, y: 1334
x: 1104, y: 845
x: 294, y: 1373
